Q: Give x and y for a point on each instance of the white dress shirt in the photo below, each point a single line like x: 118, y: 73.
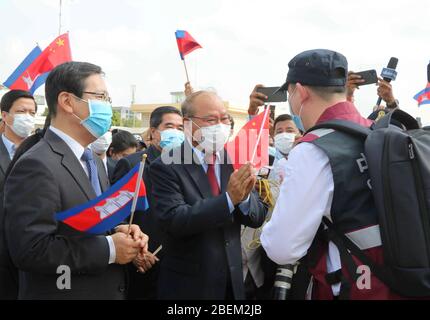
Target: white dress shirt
x: 10, y: 146
x: 78, y: 151
x: 243, y: 206
x: 305, y: 196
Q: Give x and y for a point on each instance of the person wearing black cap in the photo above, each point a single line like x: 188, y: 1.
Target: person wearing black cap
x: 326, y: 176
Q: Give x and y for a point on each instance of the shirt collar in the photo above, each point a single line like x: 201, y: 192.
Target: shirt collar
x: 9, y: 145
x: 76, y: 147
x: 343, y: 111
x: 201, y: 155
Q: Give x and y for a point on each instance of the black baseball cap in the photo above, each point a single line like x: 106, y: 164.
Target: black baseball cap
x: 318, y: 68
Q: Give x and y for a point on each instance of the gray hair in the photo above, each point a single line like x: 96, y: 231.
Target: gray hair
x: 187, y: 105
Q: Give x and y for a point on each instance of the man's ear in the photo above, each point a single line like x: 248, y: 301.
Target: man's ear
x: 65, y: 102
x: 303, y: 91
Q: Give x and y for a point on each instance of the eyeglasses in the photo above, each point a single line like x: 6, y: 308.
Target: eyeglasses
x: 100, y: 96
x: 213, y: 120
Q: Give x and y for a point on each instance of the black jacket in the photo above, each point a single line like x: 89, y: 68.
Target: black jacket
x: 202, y: 250
x: 8, y: 272
x: 48, y: 179
x: 143, y: 285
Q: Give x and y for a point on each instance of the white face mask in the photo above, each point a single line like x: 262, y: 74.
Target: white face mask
x: 213, y: 138
x: 101, y: 145
x: 284, y: 142
x: 23, y: 124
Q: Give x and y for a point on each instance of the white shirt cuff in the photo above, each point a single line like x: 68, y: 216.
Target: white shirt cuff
x: 244, y: 206
x: 112, y: 250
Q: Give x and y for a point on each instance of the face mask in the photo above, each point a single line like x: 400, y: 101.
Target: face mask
x: 171, y: 138
x: 296, y: 118
x: 99, y: 119
x: 284, y: 142
x: 23, y: 124
x: 101, y: 145
x: 272, y: 151
x: 213, y: 138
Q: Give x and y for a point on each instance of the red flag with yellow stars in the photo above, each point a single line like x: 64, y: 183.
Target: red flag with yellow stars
x: 251, y: 144
x: 36, y: 73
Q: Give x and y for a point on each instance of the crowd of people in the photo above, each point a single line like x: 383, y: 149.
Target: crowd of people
x: 210, y: 231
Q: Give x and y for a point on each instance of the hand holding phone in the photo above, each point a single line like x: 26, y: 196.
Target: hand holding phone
x: 273, y: 95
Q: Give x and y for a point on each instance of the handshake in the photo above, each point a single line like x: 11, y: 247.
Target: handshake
x: 133, y: 247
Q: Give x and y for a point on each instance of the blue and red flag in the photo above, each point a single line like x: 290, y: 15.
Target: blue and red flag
x: 34, y: 70
x: 109, y: 209
x: 423, y: 97
x: 186, y: 43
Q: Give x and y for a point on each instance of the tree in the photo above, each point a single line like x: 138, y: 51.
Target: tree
x: 116, y: 118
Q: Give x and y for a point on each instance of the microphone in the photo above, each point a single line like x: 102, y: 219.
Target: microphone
x: 389, y: 73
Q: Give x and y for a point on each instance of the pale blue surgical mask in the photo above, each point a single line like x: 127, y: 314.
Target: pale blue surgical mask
x: 99, y: 119
x: 296, y: 118
x: 272, y: 151
x: 171, y: 138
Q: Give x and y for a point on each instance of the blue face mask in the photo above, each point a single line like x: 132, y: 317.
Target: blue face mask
x: 296, y: 118
x: 272, y: 151
x: 100, y: 117
x: 171, y: 138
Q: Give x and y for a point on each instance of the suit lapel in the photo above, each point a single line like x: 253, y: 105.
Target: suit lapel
x: 226, y: 170
x: 4, y: 156
x: 101, y: 171
x: 70, y: 163
x: 195, y: 170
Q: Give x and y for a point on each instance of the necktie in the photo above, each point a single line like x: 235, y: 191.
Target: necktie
x: 212, y: 177
x: 92, y: 170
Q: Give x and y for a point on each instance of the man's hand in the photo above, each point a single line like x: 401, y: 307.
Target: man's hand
x: 385, y: 91
x: 354, y: 80
x: 126, y: 248
x: 188, y: 89
x: 144, y: 262
x: 241, y: 183
x: 136, y: 234
x: 256, y: 99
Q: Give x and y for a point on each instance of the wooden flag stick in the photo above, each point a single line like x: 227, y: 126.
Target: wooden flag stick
x: 158, y: 250
x: 136, y: 191
x: 266, y: 111
x: 186, y: 70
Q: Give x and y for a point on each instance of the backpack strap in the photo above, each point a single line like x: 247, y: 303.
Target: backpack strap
x: 346, y: 243
x: 344, y: 126
x: 401, y: 116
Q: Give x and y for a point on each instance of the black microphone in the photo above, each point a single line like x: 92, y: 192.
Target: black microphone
x: 389, y: 73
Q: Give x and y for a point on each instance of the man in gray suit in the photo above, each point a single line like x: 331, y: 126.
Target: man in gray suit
x: 59, y: 173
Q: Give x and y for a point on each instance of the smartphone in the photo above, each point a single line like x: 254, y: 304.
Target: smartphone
x: 369, y: 77
x: 280, y: 96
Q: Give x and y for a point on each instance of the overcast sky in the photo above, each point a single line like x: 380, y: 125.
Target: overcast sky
x: 244, y: 42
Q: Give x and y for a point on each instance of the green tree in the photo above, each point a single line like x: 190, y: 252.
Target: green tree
x: 116, y: 118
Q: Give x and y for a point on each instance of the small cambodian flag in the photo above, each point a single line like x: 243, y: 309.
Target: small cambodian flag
x: 423, y: 97
x: 109, y: 209
x: 186, y: 43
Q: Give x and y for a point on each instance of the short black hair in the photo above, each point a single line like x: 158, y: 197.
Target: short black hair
x: 157, y: 115
x: 68, y: 77
x: 282, y: 117
x: 121, y: 141
x: 9, y: 98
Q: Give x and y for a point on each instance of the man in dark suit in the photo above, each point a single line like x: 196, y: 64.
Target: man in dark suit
x: 201, y: 203
x: 18, y: 109
x: 166, y: 129
x: 59, y: 173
